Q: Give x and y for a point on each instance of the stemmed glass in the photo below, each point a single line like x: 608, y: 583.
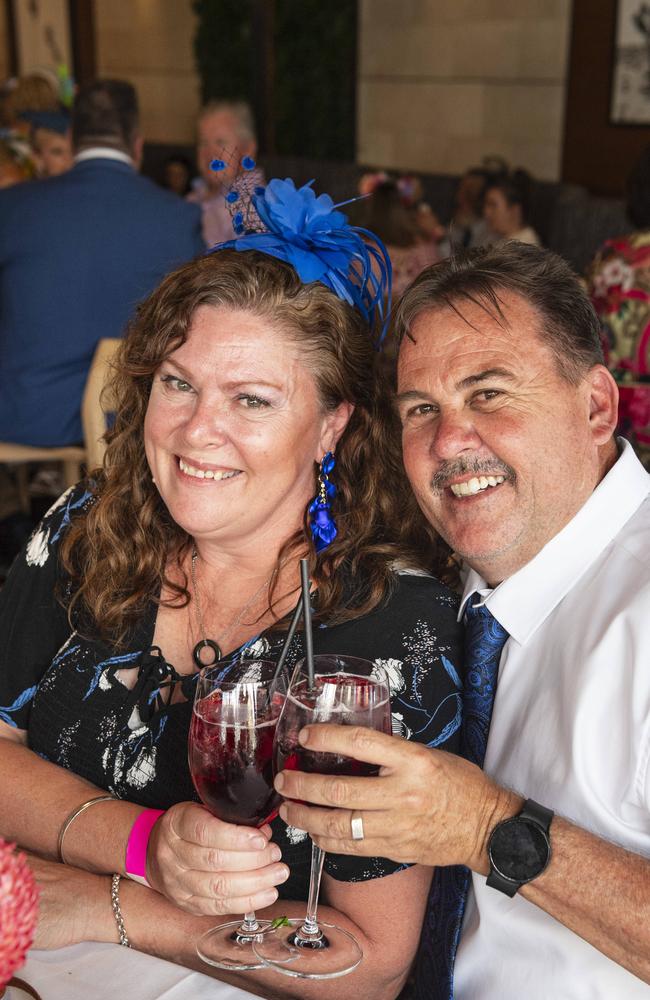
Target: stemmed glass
x: 348, y: 691
x: 236, y: 708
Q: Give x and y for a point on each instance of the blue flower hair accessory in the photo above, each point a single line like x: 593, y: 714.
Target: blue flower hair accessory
x: 312, y: 235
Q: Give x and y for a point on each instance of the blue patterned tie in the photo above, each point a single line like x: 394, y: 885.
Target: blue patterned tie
x: 434, y: 968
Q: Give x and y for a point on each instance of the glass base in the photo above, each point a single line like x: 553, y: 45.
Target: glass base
x: 334, y: 952
x: 227, y: 947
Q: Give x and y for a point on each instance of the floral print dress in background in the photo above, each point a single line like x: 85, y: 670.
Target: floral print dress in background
x: 619, y: 286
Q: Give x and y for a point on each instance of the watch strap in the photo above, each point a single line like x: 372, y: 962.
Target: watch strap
x: 537, y: 814
x: 505, y: 885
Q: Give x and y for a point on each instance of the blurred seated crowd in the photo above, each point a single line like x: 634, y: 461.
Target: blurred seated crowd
x: 72, y: 184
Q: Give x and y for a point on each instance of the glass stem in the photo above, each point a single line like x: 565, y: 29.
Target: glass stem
x: 310, y: 928
x: 249, y: 924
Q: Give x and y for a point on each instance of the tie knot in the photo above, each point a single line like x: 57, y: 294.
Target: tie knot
x: 482, y: 626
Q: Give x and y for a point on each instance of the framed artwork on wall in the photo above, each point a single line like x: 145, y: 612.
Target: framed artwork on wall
x: 630, y: 93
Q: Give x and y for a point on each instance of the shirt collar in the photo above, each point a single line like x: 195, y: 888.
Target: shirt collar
x: 524, y: 600
x: 104, y: 153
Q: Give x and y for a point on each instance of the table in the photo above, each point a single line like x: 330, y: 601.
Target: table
x: 94, y: 971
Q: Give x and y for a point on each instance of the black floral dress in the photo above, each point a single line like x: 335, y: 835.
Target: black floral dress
x: 69, y: 692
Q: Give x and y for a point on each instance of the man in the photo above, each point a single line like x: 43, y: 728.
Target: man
x: 51, y: 142
x: 226, y: 132
x: 77, y: 253
x: 508, y: 415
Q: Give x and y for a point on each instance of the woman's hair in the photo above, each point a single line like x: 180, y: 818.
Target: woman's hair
x: 118, y: 550
x: 30, y: 93
x: 386, y: 215
x: 516, y: 189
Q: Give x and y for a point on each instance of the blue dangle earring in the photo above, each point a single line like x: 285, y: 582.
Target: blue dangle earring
x: 323, y: 526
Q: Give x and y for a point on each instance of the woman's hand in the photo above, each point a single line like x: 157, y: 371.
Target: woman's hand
x: 206, y: 866
x: 73, y: 905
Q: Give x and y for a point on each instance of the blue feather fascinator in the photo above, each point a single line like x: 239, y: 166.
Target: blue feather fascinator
x: 312, y: 235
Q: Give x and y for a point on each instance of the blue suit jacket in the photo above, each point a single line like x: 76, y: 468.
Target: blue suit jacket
x: 77, y: 253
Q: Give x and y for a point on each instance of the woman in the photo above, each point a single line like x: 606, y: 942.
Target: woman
x: 235, y: 382
x: 619, y: 287
x: 386, y: 215
x: 506, y: 206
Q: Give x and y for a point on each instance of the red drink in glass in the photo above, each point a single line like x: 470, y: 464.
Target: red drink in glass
x: 232, y: 765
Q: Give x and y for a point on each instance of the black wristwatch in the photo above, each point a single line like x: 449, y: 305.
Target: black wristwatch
x: 520, y: 848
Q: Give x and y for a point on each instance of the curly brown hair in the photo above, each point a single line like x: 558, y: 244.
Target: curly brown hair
x: 117, y: 551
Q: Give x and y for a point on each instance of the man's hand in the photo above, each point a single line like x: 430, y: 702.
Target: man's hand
x: 425, y: 806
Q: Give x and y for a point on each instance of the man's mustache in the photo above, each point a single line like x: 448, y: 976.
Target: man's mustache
x: 449, y: 471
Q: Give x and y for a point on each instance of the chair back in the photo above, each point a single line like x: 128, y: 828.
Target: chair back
x: 96, y: 403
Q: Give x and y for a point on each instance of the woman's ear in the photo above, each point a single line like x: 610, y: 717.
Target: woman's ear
x: 603, y: 404
x: 334, y: 423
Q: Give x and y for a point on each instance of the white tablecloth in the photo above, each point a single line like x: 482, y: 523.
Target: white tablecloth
x: 93, y: 971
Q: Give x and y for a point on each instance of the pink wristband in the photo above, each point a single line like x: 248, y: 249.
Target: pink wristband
x: 135, y: 864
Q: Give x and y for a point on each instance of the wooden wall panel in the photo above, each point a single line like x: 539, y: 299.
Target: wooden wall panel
x: 597, y: 154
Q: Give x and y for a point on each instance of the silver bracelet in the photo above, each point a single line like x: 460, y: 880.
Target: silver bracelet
x: 117, y: 912
x: 72, y: 817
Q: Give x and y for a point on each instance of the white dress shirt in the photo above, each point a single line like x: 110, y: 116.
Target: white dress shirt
x: 103, y: 153
x: 571, y: 730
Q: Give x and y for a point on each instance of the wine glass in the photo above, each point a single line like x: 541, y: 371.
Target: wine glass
x: 236, y: 708
x: 348, y: 691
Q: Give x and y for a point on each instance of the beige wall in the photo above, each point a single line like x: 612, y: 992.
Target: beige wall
x: 443, y: 83
x: 149, y: 43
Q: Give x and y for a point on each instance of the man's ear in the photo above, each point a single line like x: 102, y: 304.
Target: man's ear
x: 603, y: 404
x: 137, y: 150
x: 334, y: 424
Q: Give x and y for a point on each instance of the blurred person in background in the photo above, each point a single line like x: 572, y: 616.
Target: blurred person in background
x: 619, y: 286
x: 506, y: 205
x: 177, y: 174
x: 226, y: 131
x: 385, y: 214
x: 51, y: 142
x: 77, y: 253
x: 14, y: 168
x: 33, y: 92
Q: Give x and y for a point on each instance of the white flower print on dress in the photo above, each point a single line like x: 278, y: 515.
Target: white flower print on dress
x: 37, y: 548
x: 144, y: 769
x: 399, y: 727
x: 257, y: 649
x: 294, y: 835
x: 394, y: 672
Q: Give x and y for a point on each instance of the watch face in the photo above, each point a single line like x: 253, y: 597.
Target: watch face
x: 519, y: 850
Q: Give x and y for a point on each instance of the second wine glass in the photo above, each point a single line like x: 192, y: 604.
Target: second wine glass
x: 349, y: 691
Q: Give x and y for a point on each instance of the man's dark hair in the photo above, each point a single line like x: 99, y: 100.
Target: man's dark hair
x: 567, y: 321
x: 637, y: 192
x: 105, y: 113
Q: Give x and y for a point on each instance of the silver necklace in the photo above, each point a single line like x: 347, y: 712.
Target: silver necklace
x: 210, y: 644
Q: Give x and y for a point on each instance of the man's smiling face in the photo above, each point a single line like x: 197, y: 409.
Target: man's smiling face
x: 501, y: 451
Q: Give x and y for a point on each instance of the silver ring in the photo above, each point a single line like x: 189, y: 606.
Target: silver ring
x: 357, y: 828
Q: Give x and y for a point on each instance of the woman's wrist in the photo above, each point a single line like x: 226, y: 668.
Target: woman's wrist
x: 96, y: 841
x: 135, y: 855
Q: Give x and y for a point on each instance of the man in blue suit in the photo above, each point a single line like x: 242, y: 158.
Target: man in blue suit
x: 77, y: 253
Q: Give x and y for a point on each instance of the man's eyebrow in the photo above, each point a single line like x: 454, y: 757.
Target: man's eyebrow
x: 405, y: 397
x: 484, y: 376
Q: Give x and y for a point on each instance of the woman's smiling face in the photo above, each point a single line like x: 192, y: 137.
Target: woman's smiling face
x: 233, y: 427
